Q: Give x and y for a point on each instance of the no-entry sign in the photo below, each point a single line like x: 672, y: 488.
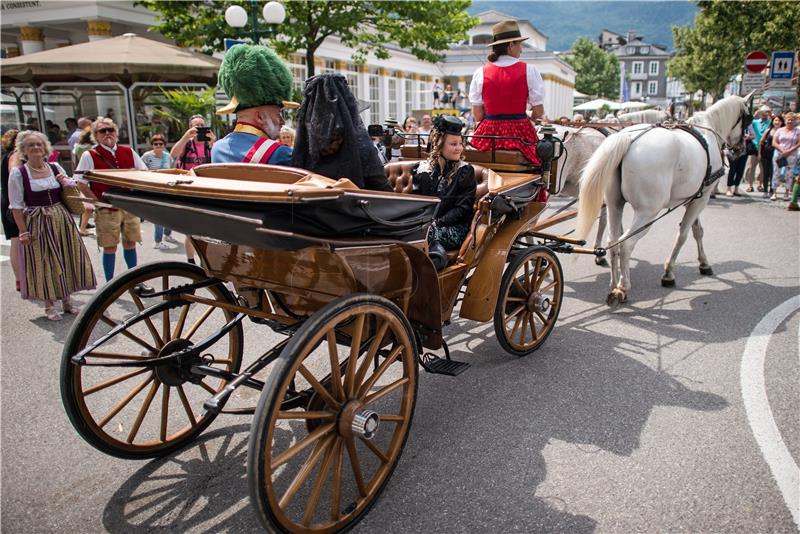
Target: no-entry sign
x: 756, y: 61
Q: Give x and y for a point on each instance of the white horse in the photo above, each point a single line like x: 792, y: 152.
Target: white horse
x: 661, y: 169
x: 648, y: 116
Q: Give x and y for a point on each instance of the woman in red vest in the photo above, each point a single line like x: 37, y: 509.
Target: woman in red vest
x: 501, y: 91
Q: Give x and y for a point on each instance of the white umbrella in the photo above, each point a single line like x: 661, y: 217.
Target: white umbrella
x: 633, y: 105
x: 597, y: 104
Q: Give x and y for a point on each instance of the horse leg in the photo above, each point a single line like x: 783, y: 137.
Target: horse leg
x: 697, y: 232
x: 620, y: 293
x: 689, y: 218
x: 601, y: 229
x: 614, y: 210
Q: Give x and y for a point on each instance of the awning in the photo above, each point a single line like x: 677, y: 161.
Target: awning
x: 597, y: 104
x: 127, y: 58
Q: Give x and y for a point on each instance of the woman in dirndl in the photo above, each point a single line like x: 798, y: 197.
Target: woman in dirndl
x: 53, y: 260
x: 501, y: 91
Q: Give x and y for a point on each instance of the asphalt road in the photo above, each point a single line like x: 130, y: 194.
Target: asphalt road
x: 627, y: 421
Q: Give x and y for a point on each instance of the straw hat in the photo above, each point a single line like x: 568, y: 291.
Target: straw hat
x: 506, y: 31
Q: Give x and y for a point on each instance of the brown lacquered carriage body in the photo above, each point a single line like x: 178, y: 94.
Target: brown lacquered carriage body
x: 157, y: 354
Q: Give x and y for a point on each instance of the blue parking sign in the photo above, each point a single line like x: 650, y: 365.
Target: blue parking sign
x: 230, y: 43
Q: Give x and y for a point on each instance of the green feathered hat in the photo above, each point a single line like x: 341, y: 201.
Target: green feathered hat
x: 254, y: 76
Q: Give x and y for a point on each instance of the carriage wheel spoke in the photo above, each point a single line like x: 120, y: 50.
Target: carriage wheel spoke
x: 520, y: 286
x: 319, y: 388
x: 355, y: 349
x: 150, y: 326
x: 543, y: 276
x: 548, y: 287
x: 115, y: 356
x: 515, y: 299
x: 319, y: 484
x: 124, y: 401
x: 305, y: 415
x: 301, y: 445
x: 206, y: 387
x: 374, y: 448
x: 525, y: 316
x: 187, y: 408
x: 379, y: 371
x: 392, y: 418
x: 542, y: 317
x: 164, y: 412
x: 181, y: 321
x: 336, y: 371
x: 514, y: 313
x: 516, y: 326
x: 112, y: 381
x: 113, y: 324
x: 336, y: 484
x: 369, y: 399
x: 354, y: 463
x: 165, y: 314
x: 527, y: 274
x: 373, y: 350
x: 199, y: 322
x: 305, y: 471
x: 143, y: 410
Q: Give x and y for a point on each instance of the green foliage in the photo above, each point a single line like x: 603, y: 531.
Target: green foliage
x: 182, y: 103
x: 424, y: 28
x: 597, y: 71
x: 713, y: 50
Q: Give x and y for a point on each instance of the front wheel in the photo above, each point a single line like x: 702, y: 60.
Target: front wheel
x: 529, y: 300
x: 333, y: 418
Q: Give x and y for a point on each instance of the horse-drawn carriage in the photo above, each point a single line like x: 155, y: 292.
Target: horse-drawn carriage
x: 342, y: 278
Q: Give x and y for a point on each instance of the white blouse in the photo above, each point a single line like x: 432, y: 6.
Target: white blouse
x: 16, y: 190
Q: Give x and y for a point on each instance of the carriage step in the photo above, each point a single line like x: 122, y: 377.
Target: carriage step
x: 441, y: 366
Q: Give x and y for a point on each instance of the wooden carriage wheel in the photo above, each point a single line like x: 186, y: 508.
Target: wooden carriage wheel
x: 140, y: 412
x: 319, y: 468
x: 529, y: 300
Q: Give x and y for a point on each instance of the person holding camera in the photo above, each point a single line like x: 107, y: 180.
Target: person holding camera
x: 194, y: 148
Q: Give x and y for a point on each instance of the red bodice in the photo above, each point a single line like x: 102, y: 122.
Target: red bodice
x: 505, y: 89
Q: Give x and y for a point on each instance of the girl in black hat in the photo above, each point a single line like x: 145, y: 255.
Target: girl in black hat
x: 446, y: 175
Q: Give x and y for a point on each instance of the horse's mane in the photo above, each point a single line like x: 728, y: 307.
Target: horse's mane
x: 721, y: 115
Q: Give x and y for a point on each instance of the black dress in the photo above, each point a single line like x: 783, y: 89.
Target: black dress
x: 454, y: 214
x: 9, y: 226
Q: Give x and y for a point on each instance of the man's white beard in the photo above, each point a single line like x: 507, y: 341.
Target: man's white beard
x: 269, y: 127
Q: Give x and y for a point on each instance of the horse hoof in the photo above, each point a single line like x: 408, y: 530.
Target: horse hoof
x: 668, y: 282
x: 602, y: 262
x: 615, y: 298
x: 706, y: 271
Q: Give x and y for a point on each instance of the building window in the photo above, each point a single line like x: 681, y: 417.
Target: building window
x: 654, y: 68
x: 393, y: 98
x: 352, y: 78
x: 637, y: 89
x: 644, y: 50
x: 631, y: 50
x: 409, y: 96
x: 652, y: 88
x: 638, y: 67
x: 374, y: 99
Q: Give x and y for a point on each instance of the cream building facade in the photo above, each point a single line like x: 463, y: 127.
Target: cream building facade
x: 396, y: 87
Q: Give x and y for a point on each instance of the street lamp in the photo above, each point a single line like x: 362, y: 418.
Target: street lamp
x: 273, y: 13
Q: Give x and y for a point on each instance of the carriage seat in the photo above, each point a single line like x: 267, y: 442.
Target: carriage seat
x: 399, y: 175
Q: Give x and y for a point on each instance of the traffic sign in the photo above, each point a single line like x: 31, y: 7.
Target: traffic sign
x: 756, y: 61
x: 753, y: 82
x: 230, y: 43
x: 781, y: 69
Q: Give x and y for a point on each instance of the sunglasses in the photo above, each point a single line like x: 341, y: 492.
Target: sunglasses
x: 106, y: 130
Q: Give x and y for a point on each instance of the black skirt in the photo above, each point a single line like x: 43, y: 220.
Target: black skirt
x: 9, y: 226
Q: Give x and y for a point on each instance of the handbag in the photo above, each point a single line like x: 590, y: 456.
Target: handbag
x: 751, y: 149
x: 70, y: 196
x: 782, y: 162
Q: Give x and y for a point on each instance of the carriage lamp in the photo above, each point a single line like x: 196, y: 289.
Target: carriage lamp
x: 273, y: 12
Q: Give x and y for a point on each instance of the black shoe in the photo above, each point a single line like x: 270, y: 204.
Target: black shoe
x: 89, y: 226
x: 143, y: 290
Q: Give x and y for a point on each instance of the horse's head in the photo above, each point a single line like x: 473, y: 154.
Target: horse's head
x: 735, y: 138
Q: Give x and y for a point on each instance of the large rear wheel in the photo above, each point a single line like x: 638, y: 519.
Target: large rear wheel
x: 140, y: 411
x: 529, y: 300
x: 333, y: 418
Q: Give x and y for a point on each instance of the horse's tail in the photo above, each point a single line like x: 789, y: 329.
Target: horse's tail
x: 595, y: 179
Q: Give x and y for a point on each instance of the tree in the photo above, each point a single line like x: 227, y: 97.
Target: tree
x: 424, y: 28
x: 597, y: 71
x: 712, y: 51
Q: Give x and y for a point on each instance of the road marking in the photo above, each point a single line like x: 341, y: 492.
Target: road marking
x: 754, y: 394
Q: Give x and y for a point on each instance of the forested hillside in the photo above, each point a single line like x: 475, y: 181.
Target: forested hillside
x: 564, y: 21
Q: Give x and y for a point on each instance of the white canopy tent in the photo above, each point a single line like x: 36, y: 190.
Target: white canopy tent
x: 634, y: 105
x: 596, y: 104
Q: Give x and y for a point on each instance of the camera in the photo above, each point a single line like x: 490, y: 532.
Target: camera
x: 202, y: 133
x: 377, y: 130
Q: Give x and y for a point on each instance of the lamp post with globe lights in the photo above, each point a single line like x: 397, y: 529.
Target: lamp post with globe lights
x: 273, y: 12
